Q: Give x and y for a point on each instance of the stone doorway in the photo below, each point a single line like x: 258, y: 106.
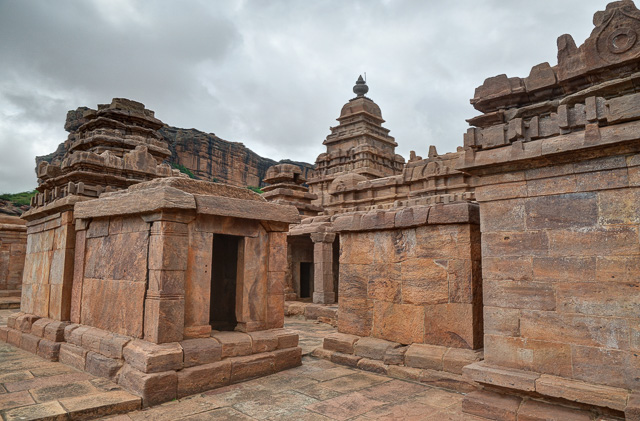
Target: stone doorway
x: 306, y: 279
x: 224, y: 274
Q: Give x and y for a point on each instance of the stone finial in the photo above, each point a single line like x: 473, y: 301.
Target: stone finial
x: 360, y: 87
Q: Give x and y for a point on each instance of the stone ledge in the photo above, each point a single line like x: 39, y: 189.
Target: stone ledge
x: 430, y: 364
x: 311, y: 311
x: 549, y: 386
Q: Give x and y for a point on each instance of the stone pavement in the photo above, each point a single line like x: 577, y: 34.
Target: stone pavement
x: 32, y: 388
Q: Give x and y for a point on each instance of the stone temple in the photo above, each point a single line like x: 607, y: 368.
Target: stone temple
x: 508, y: 270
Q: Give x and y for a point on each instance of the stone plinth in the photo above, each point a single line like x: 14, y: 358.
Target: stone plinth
x: 559, y: 191
x: 154, y: 265
x: 13, y: 245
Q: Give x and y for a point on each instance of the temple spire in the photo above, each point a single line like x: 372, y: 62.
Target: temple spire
x: 360, y: 87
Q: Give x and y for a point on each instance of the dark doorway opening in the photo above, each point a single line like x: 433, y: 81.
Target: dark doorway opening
x: 222, y: 314
x: 306, y: 278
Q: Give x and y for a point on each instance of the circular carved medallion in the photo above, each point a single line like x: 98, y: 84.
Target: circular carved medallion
x: 622, y: 40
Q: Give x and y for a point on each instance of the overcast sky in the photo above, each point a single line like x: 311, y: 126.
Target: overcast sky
x: 271, y: 74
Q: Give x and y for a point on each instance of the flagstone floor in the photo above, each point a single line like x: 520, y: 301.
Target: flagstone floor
x: 31, y: 388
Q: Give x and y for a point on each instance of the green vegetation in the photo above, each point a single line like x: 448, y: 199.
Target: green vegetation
x: 255, y: 189
x: 183, y: 170
x: 19, y: 199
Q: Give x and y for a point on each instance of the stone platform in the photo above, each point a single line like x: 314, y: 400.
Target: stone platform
x: 325, y: 313
x: 9, y: 303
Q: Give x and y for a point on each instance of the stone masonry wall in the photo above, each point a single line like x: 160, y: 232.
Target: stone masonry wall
x: 46, y: 283
x: 561, y: 263
x: 416, y: 284
x: 13, y: 245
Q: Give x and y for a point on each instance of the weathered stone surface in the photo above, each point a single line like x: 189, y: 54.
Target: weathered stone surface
x: 287, y: 358
x: 491, y: 405
x: 201, y: 351
x: 73, y: 355
x: 153, y: 358
x: 234, y: 344
x: 102, y: 366
x: 344, y: 359
x: 286, y: 338
x: 263, y: 341
x: 49, y: 350
x: 516, y: 379
x: 374, y: 366
x: 340, y: 342
x: 532, y: 410
x: 251, y: 366
x: 29, y: 343
x: 373, y: 348
x: 425, y: 356
x: 200, y: 378
x: 577, y: 391
x: 153, y: 388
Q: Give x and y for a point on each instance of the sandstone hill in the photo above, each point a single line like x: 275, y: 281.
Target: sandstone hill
x: 205, y: 155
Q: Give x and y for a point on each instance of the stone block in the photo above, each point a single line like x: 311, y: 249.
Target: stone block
x: 49, y: 350
x: 200, y: 351
x: 68, y: 330
x: 515, y: 243
x: 502, y: 321
x: 575, y: 329
x: 531, y: 355
x: 23, y: 323
x: 354, y: 279
x: 4, y: 333
x: 14, y: 337
x: 402, y: 372
x: 395, y: 356
x: 263, y: 341
x: 101, y: 296
x: 234, y: 344
x: 11, y: 320
x: 252, y: 366
x: 595, y: 298
x: 516, y: 268
x: 453, y: 325
x: 402, y: 323
x: 148, y: 357
x: 73, y: 356
x: 345, y: 359
x: 163, y: 319
x: 620, y: 240
x: 204, y: 377
x: 340, y: 342
x: 532, y: 410
x: 519, y: 294
x: 493, y: 406
x: 446, y: 380
x: 355, y: 316
x: 632, y: 411
x: 286, y: 338
x: 583, y: 392
x: 285, y: 359
x: 510, y: 379
x: 455, y: 359
x: 91, y: 339
x: 153, y: 388
x: 29, y: 343
x: 54, y: 331
x: 373, y: 348
x: 112, y: 345
x: 101, y: 404
x: 37, y: 328
x: 374, y: 366
x: 566, y: 211
x: 424, y: 356
x: 424, y: 281
x: 101, y: 366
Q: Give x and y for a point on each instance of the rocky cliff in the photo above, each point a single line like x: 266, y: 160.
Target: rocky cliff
x: 206, y: 155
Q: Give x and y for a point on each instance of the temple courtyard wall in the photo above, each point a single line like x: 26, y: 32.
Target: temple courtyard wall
x: 13, y: 245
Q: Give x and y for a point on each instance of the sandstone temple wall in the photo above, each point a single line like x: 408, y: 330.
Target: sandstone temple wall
x: 13, y: 244
x: 556, y: 156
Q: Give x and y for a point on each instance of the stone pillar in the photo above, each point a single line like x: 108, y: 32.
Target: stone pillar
x: 323, y: 267
x: 164, y: 303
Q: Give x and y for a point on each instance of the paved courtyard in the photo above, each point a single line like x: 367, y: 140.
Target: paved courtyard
x: 31, y: 388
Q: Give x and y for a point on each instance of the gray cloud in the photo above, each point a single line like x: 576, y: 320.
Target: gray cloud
x: 271, y: 74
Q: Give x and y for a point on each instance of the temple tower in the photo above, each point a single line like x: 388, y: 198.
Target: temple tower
x: 359, y: 144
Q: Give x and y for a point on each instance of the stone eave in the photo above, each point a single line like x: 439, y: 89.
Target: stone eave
x: 571, y: 147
